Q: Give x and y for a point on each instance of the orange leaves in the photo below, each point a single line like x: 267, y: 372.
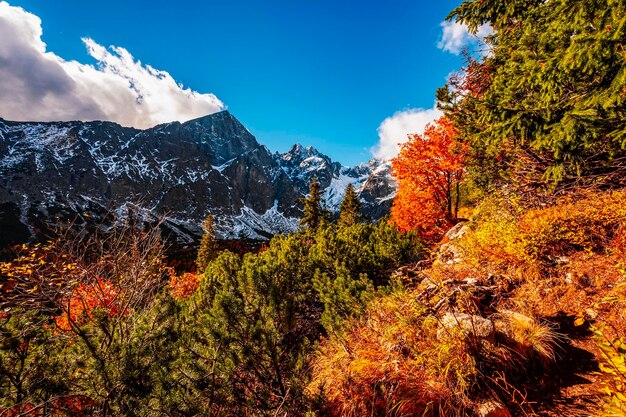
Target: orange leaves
x: 429, y: 170
x: 72, y: 280
x: 474, y: 79
x: 86, y: 298
x: 36, y: 278
x: 181, y: 287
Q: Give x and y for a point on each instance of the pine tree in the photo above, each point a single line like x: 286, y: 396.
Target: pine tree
x: 548, y: 100
x: 314, y: 211
x: 208, y: 246
x: 350, y: 208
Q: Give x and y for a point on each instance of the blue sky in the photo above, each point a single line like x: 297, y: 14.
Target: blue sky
x: 322, y: 73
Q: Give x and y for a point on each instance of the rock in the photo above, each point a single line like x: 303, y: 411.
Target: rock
x: 449, y: 254
x: 591, y: 314
x: 473, y: 325
x: 492, y: 408
x: 457, y: 231
x: 471, y: 282
x: 561, y: 260
x: 408, y: 273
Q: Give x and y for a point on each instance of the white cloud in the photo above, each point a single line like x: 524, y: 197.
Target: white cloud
x: 36, y: 84
x: 456, y: 36
x: 394, y: 130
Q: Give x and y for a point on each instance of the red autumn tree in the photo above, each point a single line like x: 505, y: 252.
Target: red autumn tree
x: 429, y: 170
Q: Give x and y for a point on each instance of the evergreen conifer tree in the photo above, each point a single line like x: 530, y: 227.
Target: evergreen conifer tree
x: 314, y: 211
x: 208, y: 246
x: 547, y: 101
x: 350, y: 208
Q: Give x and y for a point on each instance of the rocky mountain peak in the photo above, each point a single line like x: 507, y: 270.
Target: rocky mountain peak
x: 184, y: 171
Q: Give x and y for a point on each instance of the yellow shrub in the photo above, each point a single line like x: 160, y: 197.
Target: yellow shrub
x: 502, y: 234
x: 613, y: 364
x: 611, y: 344
x: 493, y: 236
x: 589, y: 223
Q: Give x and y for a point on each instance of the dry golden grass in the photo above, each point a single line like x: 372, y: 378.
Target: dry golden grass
x: 391, y: 363
x: 531, y: 337
x: 396, y: 361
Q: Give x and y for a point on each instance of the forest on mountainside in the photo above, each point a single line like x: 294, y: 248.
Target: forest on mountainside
x: 497, y: 287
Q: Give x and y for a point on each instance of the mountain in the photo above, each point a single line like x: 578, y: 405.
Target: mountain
x: 182, y: 171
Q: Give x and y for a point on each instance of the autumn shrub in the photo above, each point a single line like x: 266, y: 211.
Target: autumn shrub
x: 85, y: 299
x: 40, y: 277
x: 182, y: 286
x: 587, y: 223
x: 493, y: 235
x: 613, y: 364
x: 608, y: 331
x: 504, y: 234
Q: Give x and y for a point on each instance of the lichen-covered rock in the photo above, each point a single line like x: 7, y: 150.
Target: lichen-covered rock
x: 469, y: 325
x: 457, y: 231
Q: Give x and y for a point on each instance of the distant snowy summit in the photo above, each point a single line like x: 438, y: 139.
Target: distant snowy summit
x: 182, y: 171
x: 372, y: 179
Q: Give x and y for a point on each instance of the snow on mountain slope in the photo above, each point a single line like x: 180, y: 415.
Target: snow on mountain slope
x: 181, y: 171
x: 302, y: 164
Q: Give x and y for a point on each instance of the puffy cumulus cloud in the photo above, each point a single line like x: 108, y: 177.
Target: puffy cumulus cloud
x: 394, y: 130
x: 456, y: 36
x: 36, y: 84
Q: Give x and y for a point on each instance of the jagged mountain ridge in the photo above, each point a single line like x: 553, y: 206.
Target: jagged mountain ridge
x: 181, y: 170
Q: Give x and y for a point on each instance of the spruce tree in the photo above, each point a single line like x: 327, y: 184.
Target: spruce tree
x: 208, y: 246
x: 548, y: 98
x: 350, y: 208
x: 314, y: 212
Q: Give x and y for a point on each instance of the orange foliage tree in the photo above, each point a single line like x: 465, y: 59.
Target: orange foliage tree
x: 429, y: 170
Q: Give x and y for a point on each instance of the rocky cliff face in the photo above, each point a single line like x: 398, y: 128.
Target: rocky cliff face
x: 182, y: 171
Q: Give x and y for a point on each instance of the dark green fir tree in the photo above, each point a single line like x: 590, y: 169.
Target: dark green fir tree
x: 314, y: 212
x: 350, y: 208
